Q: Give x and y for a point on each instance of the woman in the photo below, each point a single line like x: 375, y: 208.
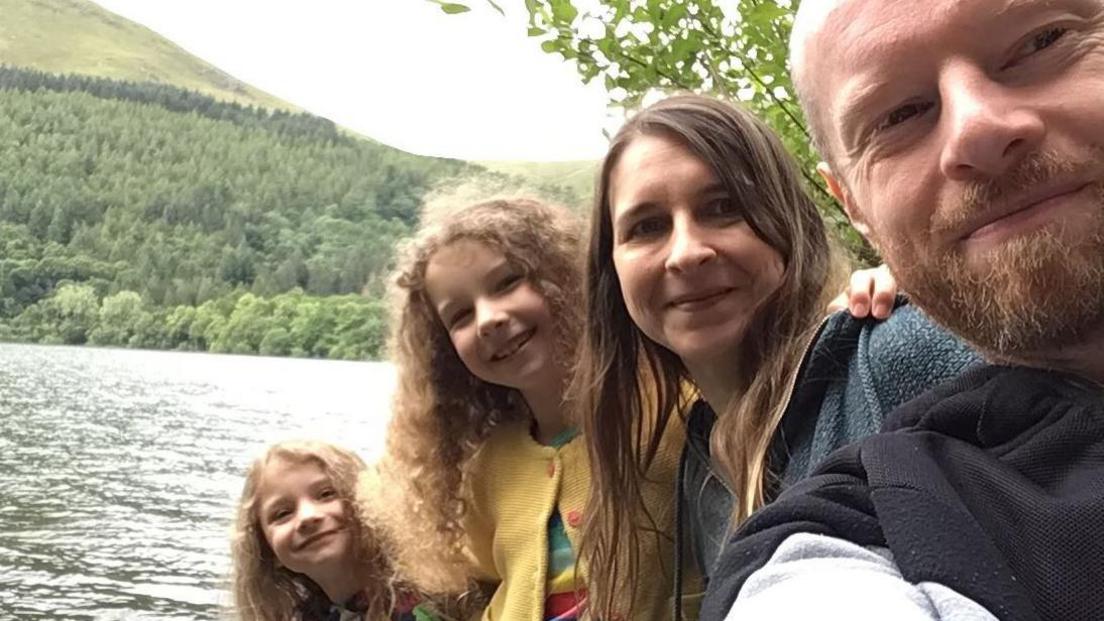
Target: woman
x: 709, y: 268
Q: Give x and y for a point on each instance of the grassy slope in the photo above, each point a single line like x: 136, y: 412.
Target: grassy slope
x: 77, y: 36
x: 578, y: 176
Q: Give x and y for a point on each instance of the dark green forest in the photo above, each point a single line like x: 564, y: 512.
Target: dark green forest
x: 143, y: 215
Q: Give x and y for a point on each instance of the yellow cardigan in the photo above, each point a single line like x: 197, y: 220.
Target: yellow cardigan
x: 517, y: 482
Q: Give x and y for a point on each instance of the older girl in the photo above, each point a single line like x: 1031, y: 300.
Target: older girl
x: 708, y: 266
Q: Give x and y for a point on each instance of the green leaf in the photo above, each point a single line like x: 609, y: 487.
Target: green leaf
x: 550, y: 46
x: 496, y: 7
x: 672, y: 16
x: 452, y: 8
x: 564, y: 11
x: 536, y: 32
x: 766, y: 13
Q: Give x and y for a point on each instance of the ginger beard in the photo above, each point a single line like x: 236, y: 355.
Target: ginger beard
x: 1040, y: 291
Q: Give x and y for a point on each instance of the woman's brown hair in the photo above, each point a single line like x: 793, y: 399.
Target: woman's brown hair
x: 627, y: 386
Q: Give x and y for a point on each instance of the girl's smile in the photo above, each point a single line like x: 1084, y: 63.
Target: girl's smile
x: 303, y: 517
x: 498, y: 322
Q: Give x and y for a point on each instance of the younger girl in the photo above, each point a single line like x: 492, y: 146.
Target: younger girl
x: 487, y: 477
x: 299, y: 551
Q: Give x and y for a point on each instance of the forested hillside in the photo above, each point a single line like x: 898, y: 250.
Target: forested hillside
x: 145, y: 215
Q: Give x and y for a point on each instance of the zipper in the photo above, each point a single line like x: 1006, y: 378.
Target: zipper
x: 804, y: 361
x: 805, y: 355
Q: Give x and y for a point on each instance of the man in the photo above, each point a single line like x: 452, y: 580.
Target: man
x: 965, y: 139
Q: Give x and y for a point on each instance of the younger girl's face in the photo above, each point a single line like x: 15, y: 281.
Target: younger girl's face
x: 303, y: 517
x: 498, y: 322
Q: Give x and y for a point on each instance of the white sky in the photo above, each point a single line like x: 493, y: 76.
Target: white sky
x: 471, y: 86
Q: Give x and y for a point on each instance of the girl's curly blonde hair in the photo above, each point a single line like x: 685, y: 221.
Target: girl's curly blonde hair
x: 264, y: 590
x: 441, y: 412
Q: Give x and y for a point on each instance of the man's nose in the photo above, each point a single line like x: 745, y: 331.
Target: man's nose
x: 990, y: 126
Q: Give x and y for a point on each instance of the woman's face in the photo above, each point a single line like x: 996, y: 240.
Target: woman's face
x: 498, y: 322
x: 692, y: 271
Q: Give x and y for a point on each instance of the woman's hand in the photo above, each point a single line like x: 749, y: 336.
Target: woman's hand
x: 870, y: 293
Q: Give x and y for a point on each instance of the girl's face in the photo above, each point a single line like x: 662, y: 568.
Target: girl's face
x: 303, y: 517
x: 498, y: 322
x: 692, y: 271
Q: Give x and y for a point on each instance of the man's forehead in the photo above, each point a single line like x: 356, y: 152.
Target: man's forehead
x: 852, y: 31
x: 845, y: 51
x: 831, y: 33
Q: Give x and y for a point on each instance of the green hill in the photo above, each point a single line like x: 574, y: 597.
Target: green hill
x: 77, y: 36
x: 80, y: 37
x: 577, y: 177
x: 150, y: 200
x: 139, y: 214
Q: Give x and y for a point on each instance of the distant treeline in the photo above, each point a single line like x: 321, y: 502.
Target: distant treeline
x: 174, y: 200
x: 348, y: 327
x: 173, y: 99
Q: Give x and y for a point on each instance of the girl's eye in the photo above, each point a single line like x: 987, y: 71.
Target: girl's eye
x: 508, y: 282
x: 278, y: 515
x: 458, y: 318
x: 327, y: 493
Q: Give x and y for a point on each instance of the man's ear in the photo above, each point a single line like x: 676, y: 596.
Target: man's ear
x: 837, y: 190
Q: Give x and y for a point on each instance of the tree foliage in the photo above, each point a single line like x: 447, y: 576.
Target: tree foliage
x: 735, y: 49
x: 349, y: 327
x: 142, y: 215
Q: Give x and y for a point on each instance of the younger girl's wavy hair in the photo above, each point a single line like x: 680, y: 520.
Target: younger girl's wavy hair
x: 441, y: 412
x: 264, y: 590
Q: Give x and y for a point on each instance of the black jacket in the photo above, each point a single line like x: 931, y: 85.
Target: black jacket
x: 992, y: 485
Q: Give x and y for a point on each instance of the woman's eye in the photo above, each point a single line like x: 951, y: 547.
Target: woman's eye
x: 722, y: 207
x: 278, y: 515
x: 327, y: 493
x: 646, y: 227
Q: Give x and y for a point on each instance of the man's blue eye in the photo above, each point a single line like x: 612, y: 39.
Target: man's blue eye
x: 1037, y: 43
x: 904, y: 113
x: 1047, y: 38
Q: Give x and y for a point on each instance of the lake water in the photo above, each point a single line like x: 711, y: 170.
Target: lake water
x: 120, y: 469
